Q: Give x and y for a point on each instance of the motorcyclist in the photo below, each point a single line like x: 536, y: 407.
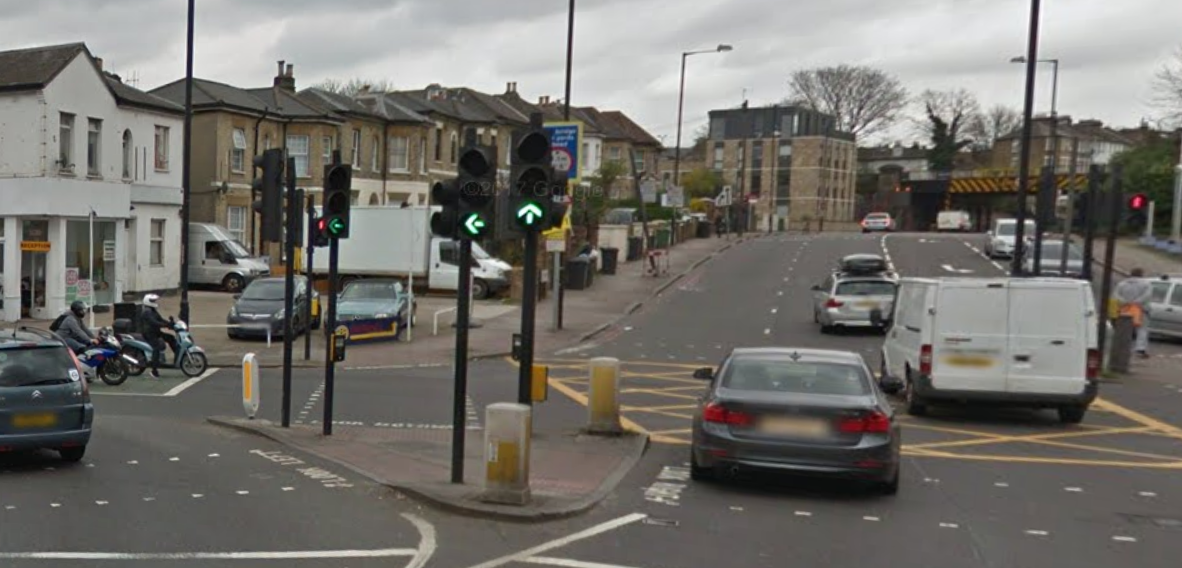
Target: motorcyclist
x: 73, y: 331
x: 152, y: 326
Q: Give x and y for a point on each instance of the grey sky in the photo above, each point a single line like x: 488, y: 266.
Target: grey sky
x: 627, y: 52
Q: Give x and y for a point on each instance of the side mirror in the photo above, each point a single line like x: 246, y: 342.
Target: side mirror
x: 704, y: 373
x: 890, y: 385
x: 237, y: 296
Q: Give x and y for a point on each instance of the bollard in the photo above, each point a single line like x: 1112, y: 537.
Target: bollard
x: 250, y: 386
x: 604, y: 403
x: 1122, y: 345
x: 539, y: 383
x: 507, y: 432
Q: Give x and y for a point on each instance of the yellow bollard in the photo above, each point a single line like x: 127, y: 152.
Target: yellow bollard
x: 506, y: 445
x: 604, y: 403
x: 540, y: 383
x: 250, y: 386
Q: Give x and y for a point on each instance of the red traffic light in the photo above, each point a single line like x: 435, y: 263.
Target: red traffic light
x: 1138, y: 201
x: 322, y: 224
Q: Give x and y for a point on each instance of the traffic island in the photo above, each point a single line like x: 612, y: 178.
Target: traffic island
x: 570, y: 472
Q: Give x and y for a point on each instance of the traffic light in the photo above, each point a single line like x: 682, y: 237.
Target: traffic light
x: 1137, y: 210
x: 338, y: 196
x: 446, y: 223
x: 531, y: 179
x: 477, y: 187
x: 268, y: 184
x: 318, y: 230
x: 297, y: 227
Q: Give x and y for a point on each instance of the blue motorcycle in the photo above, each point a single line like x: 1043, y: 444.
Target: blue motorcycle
x: 189, y: 358
x: 106, y: 360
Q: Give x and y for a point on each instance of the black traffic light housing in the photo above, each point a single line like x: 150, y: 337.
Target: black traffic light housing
x: 446, y: 223
x: 338, y: 197
x: 318, y: 230
x: 296, y: 226
x: 476, y: 184
x: 1137, y: 210
x: 531, y: 178
x: 268, y: 184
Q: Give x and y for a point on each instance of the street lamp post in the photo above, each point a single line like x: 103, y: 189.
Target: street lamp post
x: 186, y: 165
x: 681, y: 106
x: 1039, y: 202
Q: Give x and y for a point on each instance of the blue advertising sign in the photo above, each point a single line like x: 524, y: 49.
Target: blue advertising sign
x: 566, y: 141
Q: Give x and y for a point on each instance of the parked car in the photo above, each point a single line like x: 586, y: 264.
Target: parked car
x: 1165, y: 306
x: 1028, y: 342
x: 810, y: 412
x: 959, y: 221
x: 1050, y: 261
x: 376, y: 298
x: 260, y: 307
x: 878, y: 222
x: 44, y: 399
x: 1000, y: 240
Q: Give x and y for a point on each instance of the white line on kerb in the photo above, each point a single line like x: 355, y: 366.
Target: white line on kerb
x: 427, y: 542
x: 568, y: 563
x: 276, y: 555
x: 560, y: 542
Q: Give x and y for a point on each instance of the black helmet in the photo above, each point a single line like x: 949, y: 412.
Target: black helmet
x: 78, y: 307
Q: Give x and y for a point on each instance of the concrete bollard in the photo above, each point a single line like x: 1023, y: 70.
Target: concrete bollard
x: 507, y: 432
x: 604, y: 404
x: 1121, y: 346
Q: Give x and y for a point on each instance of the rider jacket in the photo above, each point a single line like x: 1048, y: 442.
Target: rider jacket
x: 74, y: 332
x: 151, y: 322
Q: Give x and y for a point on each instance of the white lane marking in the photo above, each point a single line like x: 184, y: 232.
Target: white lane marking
x: 1073, y: 489
x: 198, y: 495
x: 780, y: 293
x: 954, y: 270
x: 767, y: 331
x: 9, y: 507
x: 560, y: 542
x: 101, y: 503
x: 427, y: 541
x: 174, y: 459
x: 391, y: 367
x: 214, y: 456
x: 1124, y: 539
x: 1001, y: 484
x: 997, y: 265
x: 949, y: 525
x: 289, y: 488
x: 874, y: 519
x: 243, y: 492
x: 1037, y: 533
x: 133, y: 462
x: 275, y: 555
x: 774, y: 310
x: 803, y: 514
x: 149, y: 499
x: 185, y: 385
x: 1147, y: 494
x: 568, y: 563
x: 55, y: 505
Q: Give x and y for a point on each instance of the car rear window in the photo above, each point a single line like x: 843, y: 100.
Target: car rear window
x: 866, y: 288
x: 36, y: 365
x: 775, y: 375
x: 878, y: 216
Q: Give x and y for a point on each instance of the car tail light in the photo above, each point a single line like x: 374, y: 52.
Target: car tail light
x: 832, y: 303
x: 717, y: 414
x: 1094, y: 363
x: 925, y: 360
x: 873, y: 423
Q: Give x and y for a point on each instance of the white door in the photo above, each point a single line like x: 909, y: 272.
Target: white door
x: 1160, y: 311
x: 1048, y: 338
x: 905, y: 337
x: 445, y: 265
x: 969, y: 341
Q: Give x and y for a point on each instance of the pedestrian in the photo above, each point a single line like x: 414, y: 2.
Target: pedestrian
x: 1133, y: 297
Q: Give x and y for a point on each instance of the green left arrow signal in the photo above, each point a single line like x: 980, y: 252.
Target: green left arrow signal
x: 336, y: 225
x: 530, y: 214
x: 474, y: 224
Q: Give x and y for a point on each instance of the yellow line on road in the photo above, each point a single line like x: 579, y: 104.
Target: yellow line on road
x: 1138, y: 417
x: 1052, y: 461
x: 1030, y: 438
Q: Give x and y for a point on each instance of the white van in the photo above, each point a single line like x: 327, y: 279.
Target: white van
x: 1021, y: 342
x: 959, y: 221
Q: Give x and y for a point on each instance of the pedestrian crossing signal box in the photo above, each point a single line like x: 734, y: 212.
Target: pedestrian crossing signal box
x: 336, y: 347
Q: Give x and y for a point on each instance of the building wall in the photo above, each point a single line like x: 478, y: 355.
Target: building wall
x: 822, y: 179
x: 23, y: 134
x: 142, y: 274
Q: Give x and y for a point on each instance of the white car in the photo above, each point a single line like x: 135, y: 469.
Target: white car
x: 878, y: 222
x: 954, y: 221
x: 1000, y: 243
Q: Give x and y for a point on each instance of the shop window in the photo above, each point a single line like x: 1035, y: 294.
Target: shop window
x: 93, y: 272
x: 156, y: 243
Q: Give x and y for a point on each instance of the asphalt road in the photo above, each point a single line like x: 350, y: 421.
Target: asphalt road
x: 980, y: 488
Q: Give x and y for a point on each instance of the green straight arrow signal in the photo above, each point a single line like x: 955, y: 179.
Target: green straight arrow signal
x: 335, y: 226
x: 530, y: 213
x: 474, y: 224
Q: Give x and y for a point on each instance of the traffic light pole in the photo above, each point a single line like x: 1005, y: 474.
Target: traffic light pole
x: 330, y: 365
x: 1091, y: 218
x: 529, y: 302
x: 1046, y: 185
x: 311, y: 212
x: 459, y: 416
x: 293, y: 213
x: 1115, y: 207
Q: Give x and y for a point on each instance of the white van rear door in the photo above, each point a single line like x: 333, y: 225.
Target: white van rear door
x: 969, y: 339
x: 1048, y: 337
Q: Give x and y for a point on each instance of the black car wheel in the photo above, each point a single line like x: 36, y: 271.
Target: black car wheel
x: 1072, y: 414
x: 73, y: 454
x: 914, y: 403
x: 699, y: 473
x: 891, y: 486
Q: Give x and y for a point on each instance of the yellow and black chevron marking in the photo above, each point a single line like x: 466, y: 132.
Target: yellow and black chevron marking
x: 1010, y: 184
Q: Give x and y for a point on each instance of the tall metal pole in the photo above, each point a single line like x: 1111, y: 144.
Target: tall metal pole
x: 1046, y: 188
x: 1048, y: 193
x: 90, y: 268
x: 1115, y: 206
x: 556, y: 270
x: 1091, y: 219
x: 311, y: 211
x: 289, y: 246
x: 529, y: 302
x: 186, y: 164
x: 459, y: 414
x: 330, y: 365
x: 680, y: 109
x: 1070, y: 213
x: 1027, y: 131
x: 1176, y: 221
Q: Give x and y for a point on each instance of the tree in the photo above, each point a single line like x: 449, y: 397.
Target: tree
x: 1167, y: 89
x: 1149, y: 169
x: 864, y: 100
x: 702, y: 182
x: 988, y: 126
x: 355, y: 85
x: 949, y: 113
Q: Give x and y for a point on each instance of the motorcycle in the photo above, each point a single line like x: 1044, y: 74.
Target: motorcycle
x: 189, y: 358
x: 106, y: 360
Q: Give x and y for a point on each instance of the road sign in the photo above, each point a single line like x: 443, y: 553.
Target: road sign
x: 648, y: 191
x: 474, y: 225
x: 530, y: 213
x: 675, y: 196
x: 250, y: 386
x: 724, y: 199
x: 566, y: 141
x: 35, y: 246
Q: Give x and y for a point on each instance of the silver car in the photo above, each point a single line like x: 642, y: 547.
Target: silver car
x: 1165, y: 306
x: 811, y: 412
x: 1050, y: 262
x: 846, y: 300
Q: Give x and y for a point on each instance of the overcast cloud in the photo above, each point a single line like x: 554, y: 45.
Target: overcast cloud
x: 627, y: 52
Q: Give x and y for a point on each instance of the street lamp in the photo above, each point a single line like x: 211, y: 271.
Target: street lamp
x: 1038, y: 208
x: 186, y: 167
x: 1024, y: 158
x: 680, y: 106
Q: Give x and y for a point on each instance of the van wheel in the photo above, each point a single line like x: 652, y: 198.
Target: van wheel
x: 234, y: 283
x: 479, y: 289
x: 1072, y: 414
x: 913, y: 403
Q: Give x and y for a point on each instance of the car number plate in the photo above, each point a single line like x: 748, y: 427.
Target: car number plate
x: 794, y: 427
x: 34, y: 420
x: 867, y: 305
x: 969, y: 361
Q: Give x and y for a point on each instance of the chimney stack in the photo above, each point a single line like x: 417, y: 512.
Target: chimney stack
x: 280, y: 72
x: 99, y: 62
x: 290, y: 68
x: 285, y: 79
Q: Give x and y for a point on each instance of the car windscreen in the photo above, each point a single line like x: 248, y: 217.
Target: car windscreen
x: 1008, y: 229
x: 264, y: 290
x: 236, y: 249
x: 28, y: 366
x: 783, y: 375
x: 865, y: 288
x: 372, y: 291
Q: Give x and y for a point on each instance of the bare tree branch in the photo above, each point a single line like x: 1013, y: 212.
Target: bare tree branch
x: 957, y: 108
x: 355, y: 85
x: 863, y: 100
x: 1167, y: 89
x: 992, y: 124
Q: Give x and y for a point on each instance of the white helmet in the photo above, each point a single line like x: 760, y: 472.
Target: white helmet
x: 152, y: 301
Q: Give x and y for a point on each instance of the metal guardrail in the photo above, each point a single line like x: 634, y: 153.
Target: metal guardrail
x: 435, y: 323
x: 237, y: 325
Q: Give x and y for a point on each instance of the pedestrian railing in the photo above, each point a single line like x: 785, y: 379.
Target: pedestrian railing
x: 435, y: 323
